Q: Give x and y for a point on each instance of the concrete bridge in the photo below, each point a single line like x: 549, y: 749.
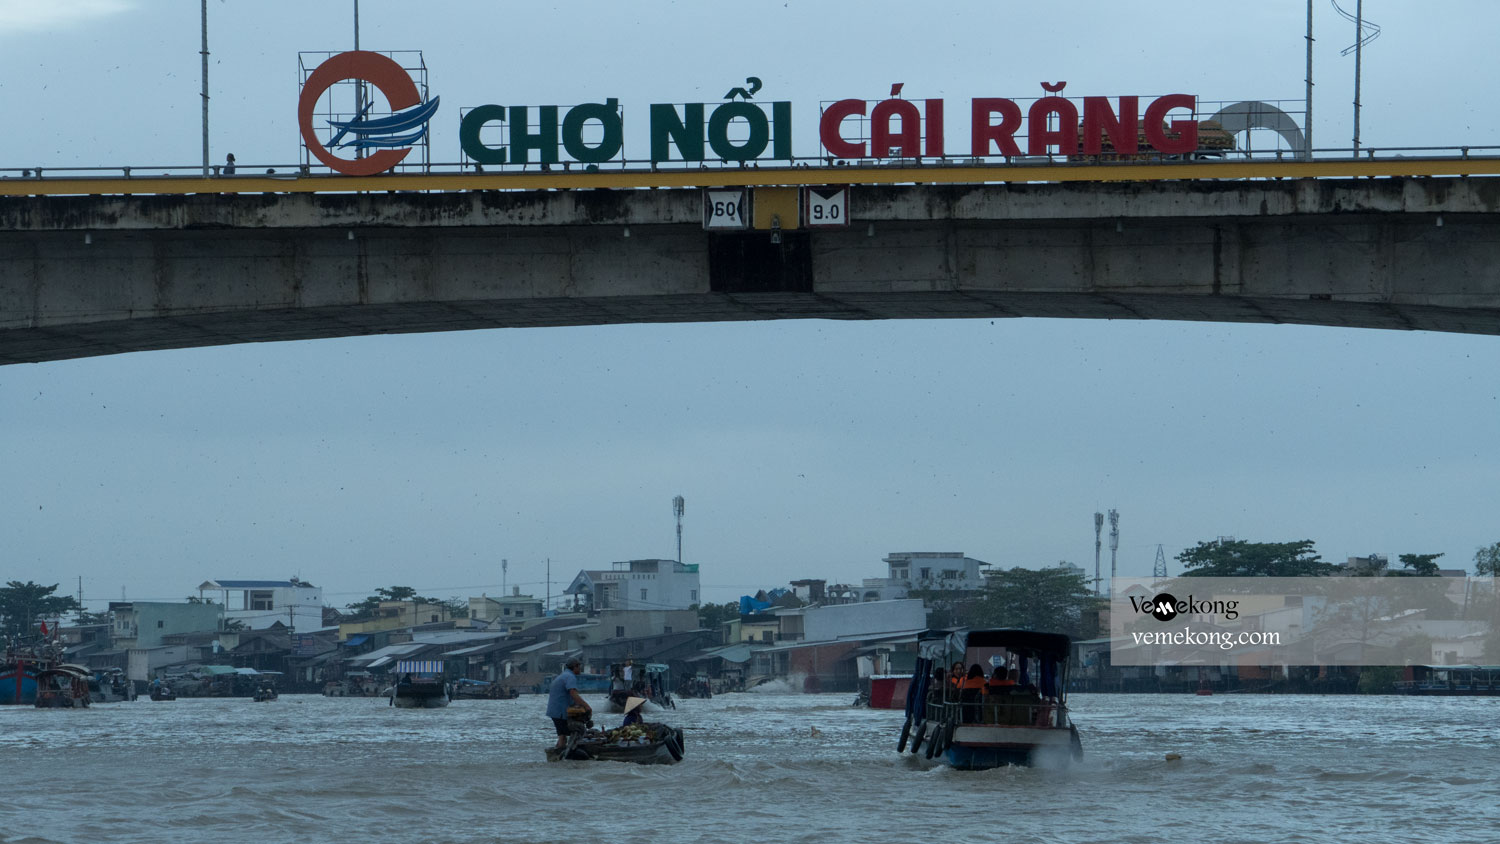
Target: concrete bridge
x: 103, y: 274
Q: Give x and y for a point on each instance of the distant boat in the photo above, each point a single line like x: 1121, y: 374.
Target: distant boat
x: 419, y: 685
x: 62, y: 686
x: 111, y: 685
x: 652, y: 681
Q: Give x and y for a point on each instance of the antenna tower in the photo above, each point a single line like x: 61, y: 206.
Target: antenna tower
x: 504, y: 566
x: 1098, y: 543
x: 677, y: 510
x: 1159, y: 571
x: 1114, y: 542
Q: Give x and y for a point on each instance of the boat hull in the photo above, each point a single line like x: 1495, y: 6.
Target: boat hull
x: 414, y: 702
x: 18, y: 684
x: 889, y: 691
x: 658, y: 752
x: 977, y: 747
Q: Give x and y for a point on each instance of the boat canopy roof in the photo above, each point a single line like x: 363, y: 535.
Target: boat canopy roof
x: 1056, y: 645
x: 1051, y: 644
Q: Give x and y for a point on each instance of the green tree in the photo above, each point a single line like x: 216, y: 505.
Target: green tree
x: 1487, y: 560
x: 1050, y: 599
x: 710, y: 616
x: 365, y: 609
x: 1238, y: 558
x: 22, y: 605
x: 457, y: 607
x: 1418, y: 565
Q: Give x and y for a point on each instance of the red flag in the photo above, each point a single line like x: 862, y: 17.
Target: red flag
x: 44, y: 628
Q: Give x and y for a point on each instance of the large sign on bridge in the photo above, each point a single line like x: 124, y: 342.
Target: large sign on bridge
x: 739, y: 129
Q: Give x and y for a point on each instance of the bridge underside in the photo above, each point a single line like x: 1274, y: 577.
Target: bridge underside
x: 84, y: 276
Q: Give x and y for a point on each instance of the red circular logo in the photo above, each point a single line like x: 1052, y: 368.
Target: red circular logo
x: 380, y: 71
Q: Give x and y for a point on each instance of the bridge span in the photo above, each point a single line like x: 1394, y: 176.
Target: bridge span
x: 104, y: 274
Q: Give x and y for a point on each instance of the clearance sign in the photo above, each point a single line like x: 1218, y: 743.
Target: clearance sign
x: 739, y: 129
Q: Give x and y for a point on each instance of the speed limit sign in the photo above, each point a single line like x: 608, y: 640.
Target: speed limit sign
x: 826, y: 207
x: 724, y: 209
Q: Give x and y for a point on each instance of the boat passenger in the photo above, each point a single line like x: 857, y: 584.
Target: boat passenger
x: 1001, y: 680
x: 633, y: 711
x: 971, y: 693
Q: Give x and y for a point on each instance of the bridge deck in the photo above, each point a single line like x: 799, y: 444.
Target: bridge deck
x: 935, y: 174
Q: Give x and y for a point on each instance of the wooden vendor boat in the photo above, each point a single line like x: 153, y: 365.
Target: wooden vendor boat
x: 643, y: 744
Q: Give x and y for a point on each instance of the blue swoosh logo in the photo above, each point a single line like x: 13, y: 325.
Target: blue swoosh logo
x: 385, y: 132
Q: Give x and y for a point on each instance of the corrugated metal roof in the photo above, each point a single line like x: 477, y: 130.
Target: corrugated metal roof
x: 492, y: 647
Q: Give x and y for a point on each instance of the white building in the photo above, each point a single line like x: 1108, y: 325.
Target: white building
x: 259, y: 604
x: 637, y: 585
x: 924, y: 570
x: 851, y: 621
x: 514, y: 610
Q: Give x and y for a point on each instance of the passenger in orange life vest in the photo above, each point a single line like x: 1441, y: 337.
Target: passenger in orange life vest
x: 971, y: 693
x: 1002, y: 681
x: 955, y: 677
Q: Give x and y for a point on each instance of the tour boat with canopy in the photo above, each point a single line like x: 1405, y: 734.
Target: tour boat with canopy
x: 1016, y: 713
x: 419, y: 684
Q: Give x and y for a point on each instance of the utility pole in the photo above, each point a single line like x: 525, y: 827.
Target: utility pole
x: 359, y: 84
x: 504, y: 564
x: 204, y: 53
x: 1098, y: 543
x: 548, y: 605
x: 1114, y: 544
x: 1307, y: 117
x: 1360, y: 40
x: 1359, y: 44
x: 677, y: 510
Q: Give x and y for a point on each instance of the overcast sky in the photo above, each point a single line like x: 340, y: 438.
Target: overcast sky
x: 803, y: 448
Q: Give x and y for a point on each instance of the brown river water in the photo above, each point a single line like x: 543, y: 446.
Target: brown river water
x: 758, y: 767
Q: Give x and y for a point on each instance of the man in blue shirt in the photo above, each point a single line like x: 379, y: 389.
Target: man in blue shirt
x: 563, y: 694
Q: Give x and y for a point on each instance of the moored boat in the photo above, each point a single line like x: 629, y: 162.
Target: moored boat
x: 1016, y: 717
x: 1449, y: 680
x: 22, y: 667
x: 479, y: 690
